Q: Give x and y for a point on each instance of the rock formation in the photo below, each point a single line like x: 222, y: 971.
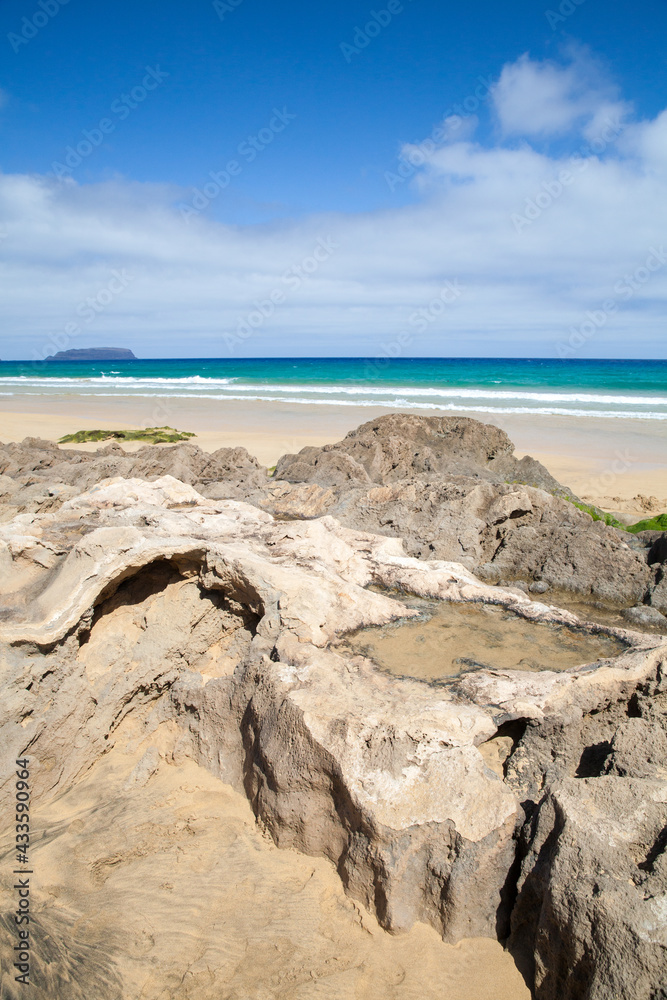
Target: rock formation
x: 529, y: 807
x: 402, y: 446
x: 450, y: 488
x: 590, y: 917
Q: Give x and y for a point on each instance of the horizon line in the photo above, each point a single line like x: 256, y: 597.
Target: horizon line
x: 355, y: 357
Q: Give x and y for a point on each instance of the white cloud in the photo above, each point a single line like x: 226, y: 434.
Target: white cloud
x: 525, y: 284
x: 647, y: 141
x: 542, y: 99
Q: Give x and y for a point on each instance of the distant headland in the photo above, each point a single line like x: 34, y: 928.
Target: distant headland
x: 94, y: 354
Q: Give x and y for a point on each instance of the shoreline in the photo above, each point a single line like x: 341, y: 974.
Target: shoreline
x: 607, y: 462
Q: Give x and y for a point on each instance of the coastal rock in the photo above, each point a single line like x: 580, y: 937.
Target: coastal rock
x: 7, y: 486
x: 452, y: 489
x: 658, y: 592
x: 502, y: 800
x: 402, y: 446
x: 65, y: 472
x: 300, y: 501
x: 399, y: 476
x: 259, y: 603
x: 325, y: 467
x: 638, y: 749
x: 210, y: 615
x: 643, y: 615
x: 503, y: 531
x: 590, y: 919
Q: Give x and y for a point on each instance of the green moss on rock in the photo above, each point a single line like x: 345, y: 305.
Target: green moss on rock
x: 599, y: 515
x: 151, y: 435
x: 657, y: 523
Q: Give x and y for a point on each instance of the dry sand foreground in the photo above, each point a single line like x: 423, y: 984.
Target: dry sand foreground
x: 172, y: 880
x: 620, y: 465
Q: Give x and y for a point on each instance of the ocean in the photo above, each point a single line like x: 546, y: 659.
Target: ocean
x: 577, y: 388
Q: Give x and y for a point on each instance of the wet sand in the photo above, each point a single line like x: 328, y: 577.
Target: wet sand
x: 618, y: 464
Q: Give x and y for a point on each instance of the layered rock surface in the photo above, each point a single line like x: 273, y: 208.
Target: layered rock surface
x: 451, y: 488
x: 437, y: 804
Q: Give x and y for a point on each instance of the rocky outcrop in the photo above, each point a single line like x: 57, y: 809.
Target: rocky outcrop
x: 495, y: 801
x: 274, y: 704
x: 37, y: 476
x: 502, y: 531
x: 658, y: 591
x: 641, y: 614
x: 452, y: 489
x: 195, y: 592
x: 440, y: 484
x: 593, y: 888
x: 590, y: 919
x: 402, y: 446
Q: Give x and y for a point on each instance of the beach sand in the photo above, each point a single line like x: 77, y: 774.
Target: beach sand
x: 620, y: 465
x: 168, y: 888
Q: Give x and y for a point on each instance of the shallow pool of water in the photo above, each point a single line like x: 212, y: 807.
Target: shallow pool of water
x: 589, y: 609
x: 449, y: 639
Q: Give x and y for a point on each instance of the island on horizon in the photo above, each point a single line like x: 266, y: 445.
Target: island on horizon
x: 94, y: 354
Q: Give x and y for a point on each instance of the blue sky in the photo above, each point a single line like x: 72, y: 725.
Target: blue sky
x: 326, y: 123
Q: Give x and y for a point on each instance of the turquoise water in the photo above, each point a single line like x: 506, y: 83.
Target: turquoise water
x: 604, y: 389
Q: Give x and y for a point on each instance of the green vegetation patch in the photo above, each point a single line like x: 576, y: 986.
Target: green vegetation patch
x: 657, y: 523
x: 599, y: 515
x: 151, y: 435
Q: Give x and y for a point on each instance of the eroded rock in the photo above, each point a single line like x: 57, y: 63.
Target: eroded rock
x: 643, y: 615
x: 44, y: 475
x: 380, y: 774
x: 591, y: 915
x: 402, y: 446
x: 451, y: 488
x: 135, y: 594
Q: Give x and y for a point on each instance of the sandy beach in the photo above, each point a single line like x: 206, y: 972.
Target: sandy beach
x: 619, y: 465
